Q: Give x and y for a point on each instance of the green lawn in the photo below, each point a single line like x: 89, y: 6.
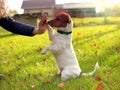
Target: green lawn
x: 95, y: 20
x: 24, y: 68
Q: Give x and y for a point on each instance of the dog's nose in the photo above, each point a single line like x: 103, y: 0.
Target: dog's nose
x: 49, y: 22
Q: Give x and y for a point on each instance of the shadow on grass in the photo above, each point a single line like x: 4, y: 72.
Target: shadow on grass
x: 103, y: 58
x: 109, y: 51
x: 95, y: 36
x: 7, y: 35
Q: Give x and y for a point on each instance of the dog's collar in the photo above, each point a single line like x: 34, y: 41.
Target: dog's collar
x: 63, y: 32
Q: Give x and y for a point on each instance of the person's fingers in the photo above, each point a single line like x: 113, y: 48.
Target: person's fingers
x: 43, y: 20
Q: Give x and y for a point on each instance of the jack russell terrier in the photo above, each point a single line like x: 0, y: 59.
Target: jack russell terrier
x: 62, y: 49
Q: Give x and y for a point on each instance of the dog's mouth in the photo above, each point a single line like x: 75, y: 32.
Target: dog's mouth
x: 49, y: 22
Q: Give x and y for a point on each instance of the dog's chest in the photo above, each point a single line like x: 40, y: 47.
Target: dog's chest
x: 60, y: 43
x: 60, y: 39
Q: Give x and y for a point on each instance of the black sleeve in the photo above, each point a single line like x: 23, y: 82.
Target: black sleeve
x: 16, y: 27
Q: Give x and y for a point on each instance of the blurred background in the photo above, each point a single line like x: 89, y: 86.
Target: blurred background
x: 29, y: 10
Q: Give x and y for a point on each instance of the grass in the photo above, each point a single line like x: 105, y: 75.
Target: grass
x: 95, y: 21
x: 24, y: 68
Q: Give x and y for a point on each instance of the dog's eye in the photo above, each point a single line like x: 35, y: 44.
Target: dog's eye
x: 57, y: 19
x: 66, y: 20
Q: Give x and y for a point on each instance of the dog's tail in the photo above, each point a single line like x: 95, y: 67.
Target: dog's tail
x: 91, y: 73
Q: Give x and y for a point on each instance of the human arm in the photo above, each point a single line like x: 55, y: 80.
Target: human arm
x: 20, y: 28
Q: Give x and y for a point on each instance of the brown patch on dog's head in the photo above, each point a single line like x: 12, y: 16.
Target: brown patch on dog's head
x: 61, y: 20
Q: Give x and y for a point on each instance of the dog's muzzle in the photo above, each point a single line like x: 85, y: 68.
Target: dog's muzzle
x: 49, y: 22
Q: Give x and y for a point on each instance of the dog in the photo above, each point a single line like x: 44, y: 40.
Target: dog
x: 62, y: 49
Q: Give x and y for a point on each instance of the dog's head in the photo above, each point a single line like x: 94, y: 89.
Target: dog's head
x: 61, y: 20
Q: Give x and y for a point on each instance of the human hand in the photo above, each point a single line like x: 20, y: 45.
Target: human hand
x: 43, y: 24
x: 2, y: 9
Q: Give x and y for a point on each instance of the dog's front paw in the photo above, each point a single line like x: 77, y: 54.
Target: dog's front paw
x: 43, y: 52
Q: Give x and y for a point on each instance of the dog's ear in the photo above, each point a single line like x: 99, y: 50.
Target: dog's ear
x: 68, y: 18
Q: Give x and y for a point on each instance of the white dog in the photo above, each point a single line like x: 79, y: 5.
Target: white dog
x: 62, y: 49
